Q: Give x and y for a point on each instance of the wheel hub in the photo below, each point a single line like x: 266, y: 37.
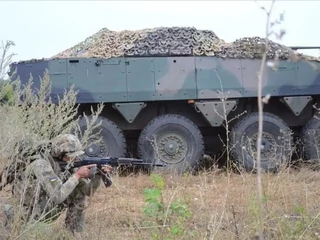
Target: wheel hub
x: 268, y: 146
x: 97, y: 148
x: 172, y: 147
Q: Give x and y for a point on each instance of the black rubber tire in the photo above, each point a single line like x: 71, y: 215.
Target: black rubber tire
x: 247, y: 126
x: 114, y: 140
x: 185, y: 128
x: 310, y: 136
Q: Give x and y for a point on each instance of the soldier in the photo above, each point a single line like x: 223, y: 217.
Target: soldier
x: 45, y: 191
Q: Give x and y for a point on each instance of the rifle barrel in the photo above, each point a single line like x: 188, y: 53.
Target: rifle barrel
x: 304, y: 47
x: 115, y: 159
x: 110, y: 161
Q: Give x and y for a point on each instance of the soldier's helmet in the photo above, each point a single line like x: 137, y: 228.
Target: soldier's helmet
x: 67, y: 144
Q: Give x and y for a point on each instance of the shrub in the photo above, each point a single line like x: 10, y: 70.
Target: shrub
x: 29, y: 114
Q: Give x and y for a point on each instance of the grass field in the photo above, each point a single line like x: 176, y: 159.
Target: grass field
x: 221, y: 207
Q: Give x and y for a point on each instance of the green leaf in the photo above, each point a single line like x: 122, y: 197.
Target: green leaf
x: 175, y: 230
x: 158, y: 180
x: 151, y: 194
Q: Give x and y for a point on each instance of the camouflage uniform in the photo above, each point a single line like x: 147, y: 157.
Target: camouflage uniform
x: 45, y: 191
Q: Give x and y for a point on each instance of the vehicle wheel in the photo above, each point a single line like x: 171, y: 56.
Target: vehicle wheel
x: 276, y: 142
x: 173, y: 140
x: 310, y: 136
x: 106, y: 140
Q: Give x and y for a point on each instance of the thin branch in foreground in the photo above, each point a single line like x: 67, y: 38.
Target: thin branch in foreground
x: 260, y: 122
x: 6, y: 58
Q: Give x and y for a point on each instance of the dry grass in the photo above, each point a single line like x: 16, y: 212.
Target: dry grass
x: 223, y: 207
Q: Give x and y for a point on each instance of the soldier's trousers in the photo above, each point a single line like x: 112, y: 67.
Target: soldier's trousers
x: 74, y: 221
x: 75, y: 216
x: 6, y: 216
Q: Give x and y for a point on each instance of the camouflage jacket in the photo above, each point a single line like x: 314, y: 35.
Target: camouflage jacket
x: 45, y: 190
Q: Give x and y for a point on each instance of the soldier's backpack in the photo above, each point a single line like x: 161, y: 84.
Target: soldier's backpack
x: 25, y: 151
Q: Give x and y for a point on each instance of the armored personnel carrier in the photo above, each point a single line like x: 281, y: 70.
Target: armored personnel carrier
x: 169, y: 92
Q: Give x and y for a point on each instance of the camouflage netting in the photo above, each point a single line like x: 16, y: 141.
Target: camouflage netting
x: 254, y: 47
x: 146, y: 42
x: 173, y: 41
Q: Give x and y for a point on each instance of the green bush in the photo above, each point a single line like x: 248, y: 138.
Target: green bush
x: 26, y: 114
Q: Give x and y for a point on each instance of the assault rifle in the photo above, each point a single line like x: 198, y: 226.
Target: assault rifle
x: 112, y: 161
x: 101, y: 162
